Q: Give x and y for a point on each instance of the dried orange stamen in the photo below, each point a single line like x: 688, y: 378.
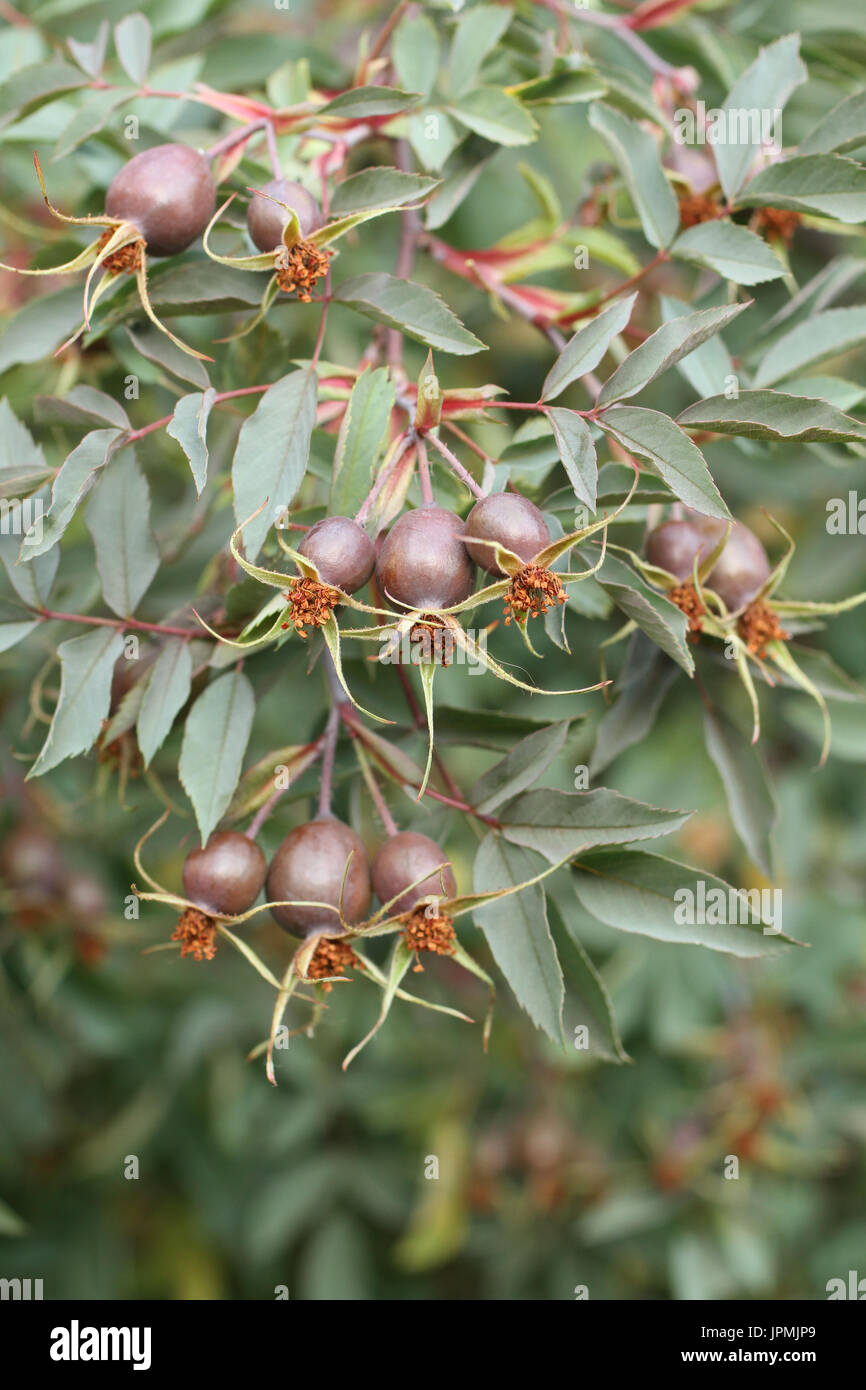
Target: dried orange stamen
x: 685, y: 596
x: 776, y: 222
x: 696, y: 208
x: 197, y: 934
x: 299, y: 267
x: 332, y: 956
x: 758, y: 626
x: 310, y: 604
x: 532, y: 591
x: 429, y: 933
x: 127, y: 258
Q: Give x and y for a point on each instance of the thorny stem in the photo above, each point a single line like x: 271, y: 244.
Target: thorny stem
x: 423, y: 470
x: 457, y: 467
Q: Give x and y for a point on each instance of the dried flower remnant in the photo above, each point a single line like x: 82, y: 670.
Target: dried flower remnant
x: 428, y: 930
x: 125, y: 261
x: 332, y: 956
x: 696, y: 208
x: 778, y: 223
x: 310, y: 604
x: 686, y: 598
x: 532, y: 592
x: 196, y: 932
x: 760, y: 625
x: 300, y: 267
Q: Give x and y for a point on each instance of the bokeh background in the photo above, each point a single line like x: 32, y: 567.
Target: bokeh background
x: 555, y: 1170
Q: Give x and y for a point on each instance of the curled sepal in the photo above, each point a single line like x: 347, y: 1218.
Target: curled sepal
x: 78, y: 262
x: 704, y: 565
x: 141, y: 281
x: 793, y: 608
x: 777, y: 574
x: 249, y: 954
x: 331, y: 634
x: 401, y: 959
x: 483, y: 658
x: 333, y: 230
x: 272, y: 289
x: 285, y: 991
x: 62, y: 216
x: 780, y: 654
x: 462, y: 957
x: 262, y: 260
x: 427, y: 672
x: 239, y: 642
x: 380, y: 978
x: 505, y: 558
x: 545, y: 558
x: 741, y: 656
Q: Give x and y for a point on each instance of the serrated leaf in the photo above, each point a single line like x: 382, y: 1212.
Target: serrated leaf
x: 731, y: 251
x: 475, y: 34
x: 360, y: 102
x: 72, y: 483
x: 635, y: 152
x: 272, y: 453
x: 83, y: 406
x: 118, y: 519
x: 842, y: 129
x: 764, y: 87
x: 518, y: 769
x: 577, y: 451
x: 585, y: 350
x: 556, y: 823
x: 363, y: 432
x: 415, y: 53
x: 214, y: 742
x: 496, y: 115
x: 412, y: 309
x: 166, y: 694
x: 157, y: 348
x: 188, y: 425
x: 587, y: 1001
x: 669, y: 344
x: 18, y: 450
x: 664, y: 623
x: 830, y: 184
x: 641, y: 689
x: 86, y: 667
x: 32, y: 86
x: 820, y: 336
x: 380, y: 188
x: 634, y: 891
x: 133, y: 42
x: 518, y: 934
x: 749, y: 795
x: 774, y: 415
x: 670, y: 453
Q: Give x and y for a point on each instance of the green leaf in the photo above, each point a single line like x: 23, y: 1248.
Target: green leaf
x: 84, y: 407
x: 72, y: 483
x: 635, y: 152
x: 31, y: 87
x: 118, y: 519
x: 674, y: 340
x: 842, y: 129
x: 90, y: 56
x: 361, y: 102
x: 380, y: 188
x: 633, y: 891
x: 562, y: 86
x: 518, y: 769
x: 32, y: 582
x: 709, y: 367
x: 670, y: 453
x: 40, y: 327
x: 475, y: 34
x: 774, y: 415
x: 415, y: 53
x: 518, y: 934
x: 132, y: 41
x: 820, y: 336
x: 19, y: 453
x: 830, y: 184
x: 577, y: 451
x: 433, y: 137
x: 764, y: 87
x: 410, y: 308
x: 362, y: 435
x: 587, y: 1002
x: 585, y: 350
x: 747, y: 788
x: 86, y: 669
x: 156, y: 347
x: 272, y: 453
x: 643, y: 684
x: 214, y: 742
x: 495, y: 114
x: 188, y: 425
x: 731, y: 251
x: 557, y: 823
x: 655, y: 615
x: 166, y: 694
x: 89, y: 120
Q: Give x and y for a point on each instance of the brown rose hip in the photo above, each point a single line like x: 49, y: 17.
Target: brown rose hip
x: 167, y: 192
x: 310, y: 866
x: 423, y: 562
x: 266, y: 219
x: 342, y: 552
x: 401, y: 861
x: 226, y: 876
x: 513, y: 521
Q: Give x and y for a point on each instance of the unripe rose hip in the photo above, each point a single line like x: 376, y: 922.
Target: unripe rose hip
x: 167, y: 192
x: 266, y: 219
x: 513, y: 521
x: 226, y: 876
x: 310, y: 866
x: 423, y: 562
x: 342, y: 552
x: 402, y: 860
x: 739, y: 572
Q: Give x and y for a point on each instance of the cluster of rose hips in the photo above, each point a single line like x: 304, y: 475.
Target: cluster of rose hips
x: 162, y: 200
x: 319, y: 883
